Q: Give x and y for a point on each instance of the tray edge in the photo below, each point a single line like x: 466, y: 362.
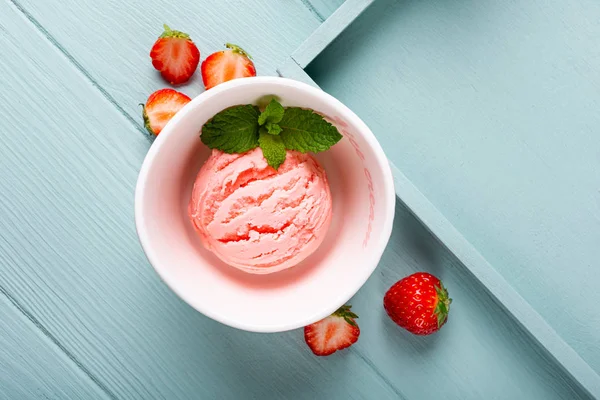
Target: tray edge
x: 504, y: 294
x: 329, y: 30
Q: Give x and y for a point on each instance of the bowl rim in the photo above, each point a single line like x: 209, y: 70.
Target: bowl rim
x: 346, y: 293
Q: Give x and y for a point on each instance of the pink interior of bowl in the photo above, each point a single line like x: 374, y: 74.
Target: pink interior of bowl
x: 362, y: 214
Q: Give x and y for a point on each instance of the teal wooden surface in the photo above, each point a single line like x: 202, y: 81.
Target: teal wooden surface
x: 326, y: 33
x: 492, y: 120
x: 71, y: 75
x: 109, y: 41
x: 32, y: 365
x: 322, y: 9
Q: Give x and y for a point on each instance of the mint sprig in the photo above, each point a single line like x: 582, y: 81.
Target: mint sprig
x: 233, y: 130
x: 273, y: 113
x: 271, y: 116
x: 272, y: 128
x: 272, y: 148
x: 304, y: 131
x: 277, y: 129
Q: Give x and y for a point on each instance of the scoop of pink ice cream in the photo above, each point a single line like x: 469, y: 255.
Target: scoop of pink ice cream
x: 256, y: 218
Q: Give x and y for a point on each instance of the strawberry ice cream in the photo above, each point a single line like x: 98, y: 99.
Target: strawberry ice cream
x: 256, y: 218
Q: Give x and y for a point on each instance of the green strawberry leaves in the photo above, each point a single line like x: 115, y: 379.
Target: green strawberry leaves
x: 349, y: 316
x: 443, y: 304
x: 170, y: 33
x: 277, y: 129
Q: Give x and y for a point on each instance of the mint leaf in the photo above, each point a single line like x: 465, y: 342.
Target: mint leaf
x: 273, y: 129
x: 304, y: 131
x: 234, y: 130
x: 272, y: 147
x: 273, y: 113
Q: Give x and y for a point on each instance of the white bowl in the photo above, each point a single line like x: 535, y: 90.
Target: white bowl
x: 363, y: 211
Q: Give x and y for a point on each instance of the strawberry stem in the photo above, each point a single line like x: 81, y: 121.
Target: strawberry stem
x: 237, y: 49
x: 344, y: 312
x: 146, y: 119
x: 169, y: 33
x: 442, y: 308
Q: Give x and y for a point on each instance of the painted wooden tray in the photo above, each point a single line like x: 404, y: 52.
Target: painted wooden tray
x: 488, y: 114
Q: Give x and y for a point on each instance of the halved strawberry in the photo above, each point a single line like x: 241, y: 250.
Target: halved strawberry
x: 226, y: 65
x: 175, y: 56
x: 336, y: 332
x: 160, y: 107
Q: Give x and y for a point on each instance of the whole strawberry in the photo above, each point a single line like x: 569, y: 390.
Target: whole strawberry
x: 336, y: 332
x: 419, y: 303
x: 226, y: 65
x: 175, y: 56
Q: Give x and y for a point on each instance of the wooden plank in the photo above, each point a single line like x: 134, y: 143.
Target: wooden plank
x: 110, y: 42
x: 70, y: 255
x: 529, y: 214
x: 32, y: 366
x: 326, y: 33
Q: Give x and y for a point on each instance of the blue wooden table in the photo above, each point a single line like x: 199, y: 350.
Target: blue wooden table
x: 82, y: 313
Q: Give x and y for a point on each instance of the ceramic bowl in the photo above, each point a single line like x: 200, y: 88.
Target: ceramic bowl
x: 363, y: 210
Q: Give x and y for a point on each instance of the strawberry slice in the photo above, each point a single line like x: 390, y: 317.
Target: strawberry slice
x: 226, y: 65
x: 175, y: 56
x: 336, y: 332
x: 160, y: 107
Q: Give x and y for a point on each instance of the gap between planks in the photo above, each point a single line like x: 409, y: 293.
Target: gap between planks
x: 31, y: 318
x: 313, y: 10
x: 37, y: 324
x: 39, y: 27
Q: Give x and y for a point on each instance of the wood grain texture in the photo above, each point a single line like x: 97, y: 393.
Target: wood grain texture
x: 492, y: 121
x: 32, y: 366
x: 323, y: 8
x: 290, y: 69
x: 524, y: 317
x: 480, y: 352
x: 326, y: 33
x: 110, y: 40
